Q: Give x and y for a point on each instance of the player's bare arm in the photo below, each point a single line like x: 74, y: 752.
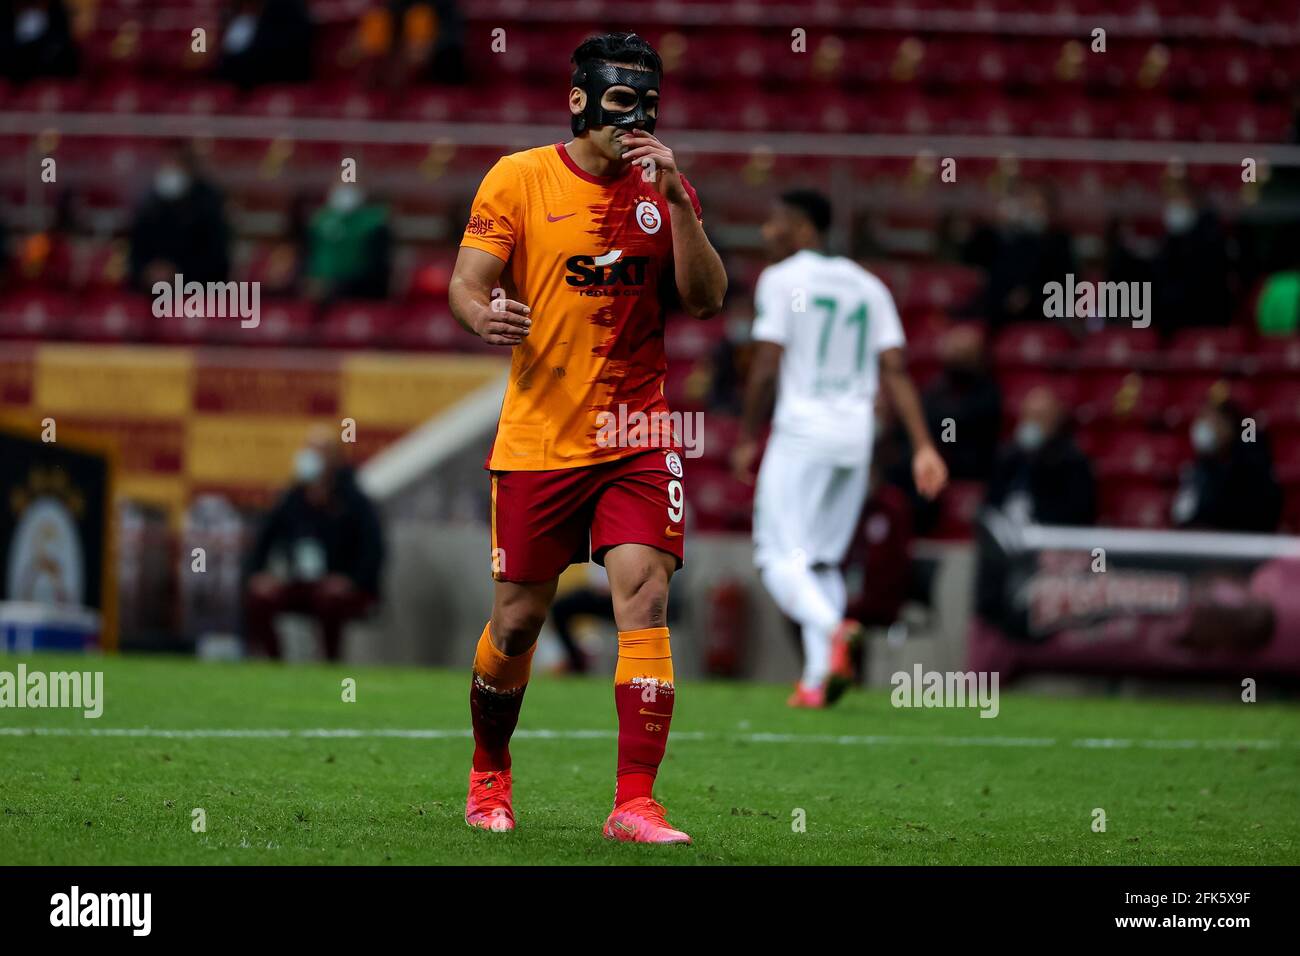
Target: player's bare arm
x: 928, y: 470
x: 497, y: 320
x: 701, y: 279
x: 760, y: 397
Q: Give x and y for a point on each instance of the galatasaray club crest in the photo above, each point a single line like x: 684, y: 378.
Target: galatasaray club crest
x: 647, y: 217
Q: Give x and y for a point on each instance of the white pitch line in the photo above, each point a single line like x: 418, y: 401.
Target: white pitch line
x: 860, y: 740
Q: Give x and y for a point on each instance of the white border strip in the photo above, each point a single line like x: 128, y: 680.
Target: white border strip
x: 1198, y: 544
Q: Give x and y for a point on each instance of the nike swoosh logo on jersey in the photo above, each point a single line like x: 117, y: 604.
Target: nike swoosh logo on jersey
x: 670, y: 533
x: 550, y: 218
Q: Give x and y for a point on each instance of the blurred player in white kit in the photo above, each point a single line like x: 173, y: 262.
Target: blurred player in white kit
x: 826, y: 333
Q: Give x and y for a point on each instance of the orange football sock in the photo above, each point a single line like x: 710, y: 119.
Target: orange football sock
x: 496, y: 693
x: 643, y: 697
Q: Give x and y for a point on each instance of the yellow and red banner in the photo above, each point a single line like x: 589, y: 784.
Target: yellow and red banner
x: 188, y: 420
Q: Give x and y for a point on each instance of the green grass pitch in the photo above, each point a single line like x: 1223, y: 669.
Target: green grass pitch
x: 1180, y: 783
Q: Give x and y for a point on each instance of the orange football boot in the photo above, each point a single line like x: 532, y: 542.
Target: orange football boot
x: 641, y: 820
x: 488, y: 805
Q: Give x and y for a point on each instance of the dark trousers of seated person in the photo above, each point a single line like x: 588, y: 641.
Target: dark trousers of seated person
x: 329, y: 609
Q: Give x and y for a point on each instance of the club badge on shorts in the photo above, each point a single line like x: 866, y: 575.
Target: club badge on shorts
x: 647, y: 217
x: 674, y: 464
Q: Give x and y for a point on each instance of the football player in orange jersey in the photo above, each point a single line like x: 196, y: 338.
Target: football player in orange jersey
x: 572, y: 254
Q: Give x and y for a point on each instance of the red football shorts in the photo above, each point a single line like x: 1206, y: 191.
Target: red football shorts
x: 543, y: 521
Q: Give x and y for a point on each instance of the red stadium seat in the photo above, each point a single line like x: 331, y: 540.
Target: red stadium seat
x: 690, y: 340
x: 284, y: 322
x: 1017, y: 383
x: 1125, y: 505
x: 345, y: 101
x: 427, y: 326
x: 47, y: 96
x: 200, y: 99
x: 1280, y: 406
x: 1218, y: 350
x: 941, y: 285
x: 358, y: 325
x: 34, y: 314
x: 715, y: 442
x: 959, y: 505
x: 112, y: 317
x: 277, y: 102
x: 1154, y: 117
x: 1286, y: 458
x: 125, y: 95
x: 1185, y: 395
x: 717, y: 501
x: 102, y: 265
x: 428, y: 276
x: 1031, y: 345
x: 1139, y: 455
x: 1120, y: 396
x: 1118, y: 347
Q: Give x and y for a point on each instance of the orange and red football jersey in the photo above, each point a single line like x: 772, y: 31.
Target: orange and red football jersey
x: 590, y: 256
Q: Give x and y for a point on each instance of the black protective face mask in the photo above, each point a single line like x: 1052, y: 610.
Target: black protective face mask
x: 595, y: 79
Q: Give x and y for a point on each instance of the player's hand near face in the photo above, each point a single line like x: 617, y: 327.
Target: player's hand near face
x: 929, y: 472
x: 641, y: 148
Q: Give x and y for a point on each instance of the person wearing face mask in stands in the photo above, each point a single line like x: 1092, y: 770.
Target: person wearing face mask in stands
x: 1043, y: 477
x: 266, y: 41
x: 968, y: 395
x: 1230, y: 486
x: 36, y: 40
x: 349, y: 247
x: 1188, y: 275
x: 1031, y: 249
x: 325, y: 540
x: 180, y: 227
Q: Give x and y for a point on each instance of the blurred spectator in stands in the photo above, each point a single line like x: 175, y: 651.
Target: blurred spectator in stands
x: 325, y: 541
x: 965, y: 403
x: 349, y: 247
x: 1190, y: 272
x: 44, y: 258
x: 590, y: 600
x: 410, y: 40
x: 1043, y: 476
x: 1230, y: 486
x: 266, y: 41
x: 1124, y: 259
x: 1277, y: 309
x: 35, y: 40
x: 1029, y: 249
x: 880, y: 557
x: 180, y: 226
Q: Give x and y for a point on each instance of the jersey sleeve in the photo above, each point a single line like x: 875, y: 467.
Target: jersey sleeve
x: 886, y: 327
x: 497, y: 214
x: 771, y: 310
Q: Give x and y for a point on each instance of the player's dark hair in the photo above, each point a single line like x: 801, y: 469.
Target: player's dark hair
x: 814, y: 205
x: 616, y: 48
